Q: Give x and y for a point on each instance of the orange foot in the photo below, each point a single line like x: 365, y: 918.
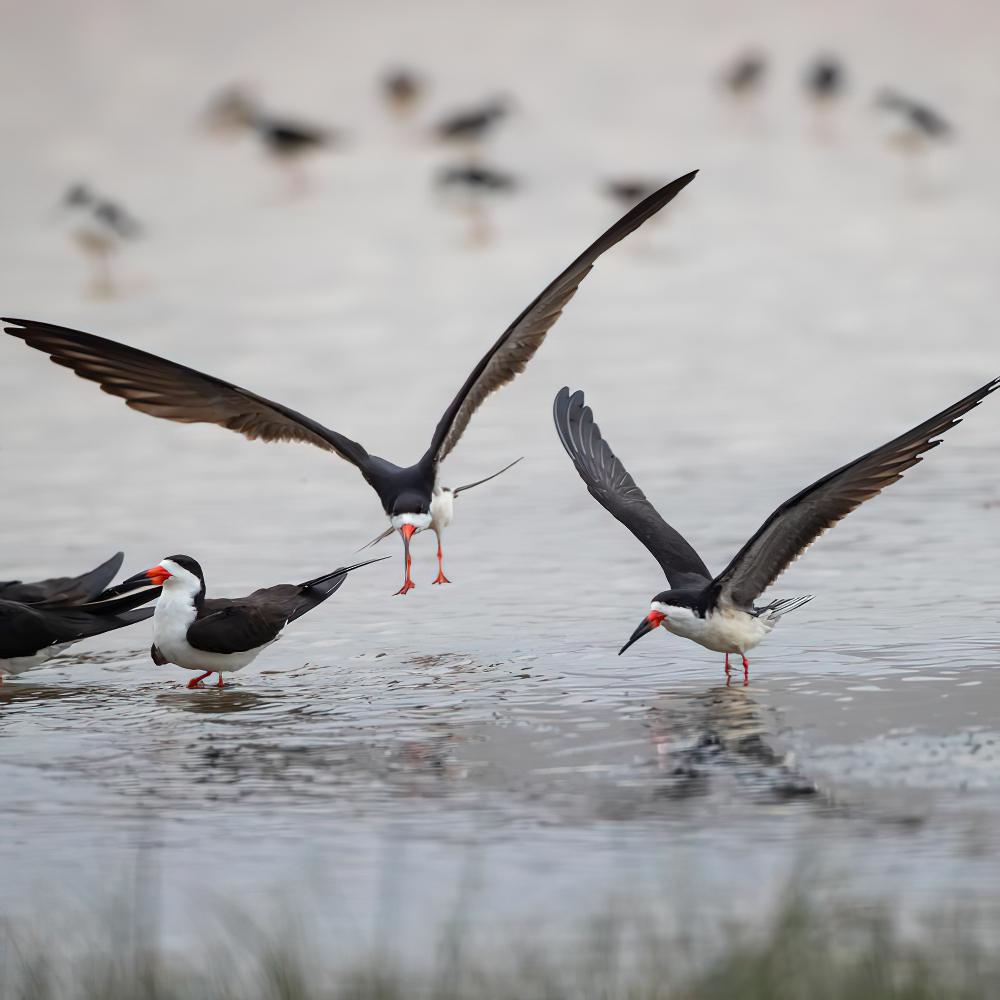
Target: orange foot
x: 441, y: 578
x: 195, y: 682
x: 405, y: 589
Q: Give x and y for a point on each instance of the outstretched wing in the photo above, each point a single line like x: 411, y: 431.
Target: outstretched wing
x: 614, y: 489
x: 164, y: 389
x: 518, y: 344
x: 798, y: 522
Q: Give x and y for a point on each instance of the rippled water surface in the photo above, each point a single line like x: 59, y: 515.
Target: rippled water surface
x: 807, y: 298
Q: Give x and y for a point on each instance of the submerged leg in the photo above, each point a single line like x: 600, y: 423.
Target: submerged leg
x: 441, y: 578
x: 729, y: 671
x: 196, y: 681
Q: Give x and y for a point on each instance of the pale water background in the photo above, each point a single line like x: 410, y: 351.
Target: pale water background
x: 481, y: 746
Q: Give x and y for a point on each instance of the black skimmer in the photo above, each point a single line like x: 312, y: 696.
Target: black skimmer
x: 402, y: 90
x: 920, y: 125
x: 745, y: 75
x: 99, y: 228
x: 164, y: 389
x: 286, y: 140
x: 65, y: 589
x: 718, y: 612
x: 30, y: 634
x: 442, y: 514
x: 221, y: 635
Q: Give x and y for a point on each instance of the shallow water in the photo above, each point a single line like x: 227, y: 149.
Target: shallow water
x: 481, y: 745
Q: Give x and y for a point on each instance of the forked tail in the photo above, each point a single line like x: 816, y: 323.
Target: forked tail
x: 782, y: 606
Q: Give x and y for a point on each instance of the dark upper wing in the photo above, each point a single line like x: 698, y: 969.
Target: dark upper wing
x: 234, y: 626
x: 26, y: 629
x: 798, y: 522
x: 517, y: 345
x: 614, y: 489
x: 67, y: 589
x: 164, y: 389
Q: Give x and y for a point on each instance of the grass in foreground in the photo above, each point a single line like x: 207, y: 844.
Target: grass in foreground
x: 804, y: 953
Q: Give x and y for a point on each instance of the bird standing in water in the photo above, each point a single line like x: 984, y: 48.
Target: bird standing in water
x: 718, y: 612
x: 99, y: 227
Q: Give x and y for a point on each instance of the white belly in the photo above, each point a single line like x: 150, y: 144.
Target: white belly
x: 18, y: 664
x: 442, y: 509
x: 174, y: 614
x: 724, y: 631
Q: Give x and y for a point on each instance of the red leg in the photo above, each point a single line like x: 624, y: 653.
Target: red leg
x: 746, y: 670
x: 408, y: 583
x: 441, y: 578
x: 220, y: 682
x: 196, y: 681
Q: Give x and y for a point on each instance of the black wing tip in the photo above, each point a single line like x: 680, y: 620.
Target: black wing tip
x: 341, y: 571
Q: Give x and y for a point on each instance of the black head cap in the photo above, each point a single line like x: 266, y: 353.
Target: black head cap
x: 411, y: 502
x: 191, y: 565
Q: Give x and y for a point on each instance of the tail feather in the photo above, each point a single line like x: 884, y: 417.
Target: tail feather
x: 314, y: 592
x: 783, y: 605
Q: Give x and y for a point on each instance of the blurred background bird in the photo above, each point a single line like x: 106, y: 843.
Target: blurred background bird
x: 287, y: 141
x: 98, y: 227
x: 472, y: 186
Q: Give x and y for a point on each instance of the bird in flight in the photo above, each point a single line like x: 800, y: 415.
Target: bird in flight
x: 165, y: 389
x: 718, y: 612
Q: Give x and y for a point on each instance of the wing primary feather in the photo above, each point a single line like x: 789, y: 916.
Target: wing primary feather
x: 799, y: 521
x: 516, y: 346
x: 165, y: 389
x: 610, y: 484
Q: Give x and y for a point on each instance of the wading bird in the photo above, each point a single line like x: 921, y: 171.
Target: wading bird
x: 919, y: 125
x: 164, y: 389
x: 222, y: 635
x: 718, y: 612
x: 286, y: 140
x: 99, y: 227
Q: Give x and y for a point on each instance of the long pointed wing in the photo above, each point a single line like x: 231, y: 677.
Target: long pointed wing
x: 66, y: 589
x: 614, y: 489
x: 798, y: 522
x: 171, y: 391
x: 518, y: 344
x: 479, y: 482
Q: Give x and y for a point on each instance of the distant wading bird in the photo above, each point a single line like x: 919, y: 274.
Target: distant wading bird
x: 162, y: 388
x: 287, y: 141
x: 99, y: 228
x: 745, y: 75
x: 65, y: 589
x: 222, y: 635
x: 403, y: 90
x: 719, y: 612
x: 919, y: 125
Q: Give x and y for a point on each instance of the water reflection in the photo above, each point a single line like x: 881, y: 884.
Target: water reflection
x: 213, y: 701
